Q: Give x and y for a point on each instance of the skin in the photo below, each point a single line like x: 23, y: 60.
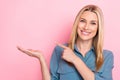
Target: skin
x: 37, y: 54
x: 87, y: 29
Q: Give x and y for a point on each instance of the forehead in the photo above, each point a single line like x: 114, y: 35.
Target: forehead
x: 89, y: 15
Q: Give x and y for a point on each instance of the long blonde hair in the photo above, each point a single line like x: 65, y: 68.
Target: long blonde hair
x: 97, y: 40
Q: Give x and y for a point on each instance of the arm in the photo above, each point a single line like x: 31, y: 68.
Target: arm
x: 54, y: 63
x: 85, y: 72
x: 37, y: 54
x: 69, y: 56
x: 44, y: 69
x: 105, y: 73
x: 106, y: 70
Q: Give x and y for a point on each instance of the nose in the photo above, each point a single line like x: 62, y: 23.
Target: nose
x: 86, y: 26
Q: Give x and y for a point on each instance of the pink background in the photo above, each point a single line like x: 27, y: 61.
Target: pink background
x: 37, y: 24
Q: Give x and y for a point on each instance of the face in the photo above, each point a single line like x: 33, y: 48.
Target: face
x: 87, y: 26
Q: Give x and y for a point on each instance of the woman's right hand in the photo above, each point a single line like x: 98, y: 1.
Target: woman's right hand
x: 38, y: 54
x: 31, y: 52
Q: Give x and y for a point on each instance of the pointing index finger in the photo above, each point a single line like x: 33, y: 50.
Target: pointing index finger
x: 62, y: 46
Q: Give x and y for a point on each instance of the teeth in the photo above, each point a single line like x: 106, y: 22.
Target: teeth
x: 85, y: 33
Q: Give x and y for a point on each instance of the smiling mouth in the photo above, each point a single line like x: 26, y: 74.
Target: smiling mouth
x: 86, y: 33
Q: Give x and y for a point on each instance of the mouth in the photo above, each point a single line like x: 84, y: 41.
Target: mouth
x: 86, y: 33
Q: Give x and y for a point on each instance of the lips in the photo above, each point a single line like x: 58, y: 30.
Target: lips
x: 85, y: 32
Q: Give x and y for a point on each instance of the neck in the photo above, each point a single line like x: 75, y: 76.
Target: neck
x: 84, y: 46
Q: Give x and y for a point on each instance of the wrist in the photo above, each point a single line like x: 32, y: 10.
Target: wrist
x: 41, y: 58
x: 75, y: 59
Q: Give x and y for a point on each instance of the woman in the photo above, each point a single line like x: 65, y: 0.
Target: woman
x: 83, y: 57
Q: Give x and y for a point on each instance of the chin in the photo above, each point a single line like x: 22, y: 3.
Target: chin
x: 85, y: 38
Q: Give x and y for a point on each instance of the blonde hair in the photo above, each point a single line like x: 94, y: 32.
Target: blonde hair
x: 97, y: 40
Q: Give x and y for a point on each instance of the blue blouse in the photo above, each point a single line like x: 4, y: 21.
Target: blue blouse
x: 61, y: 70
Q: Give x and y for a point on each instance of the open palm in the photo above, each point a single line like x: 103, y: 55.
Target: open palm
x: 30, y: 52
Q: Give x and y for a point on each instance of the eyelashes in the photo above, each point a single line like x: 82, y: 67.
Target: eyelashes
x: 82, y: 20
x: 92, y: 22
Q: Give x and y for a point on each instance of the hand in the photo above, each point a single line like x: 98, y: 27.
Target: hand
x: 68, y: 55
x: 30, y: 52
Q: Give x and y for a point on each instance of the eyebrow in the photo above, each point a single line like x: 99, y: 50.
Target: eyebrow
x: 91, y: 20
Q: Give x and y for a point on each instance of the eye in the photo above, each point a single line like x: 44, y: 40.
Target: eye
x: 93, y: 23
x: 82, y: 20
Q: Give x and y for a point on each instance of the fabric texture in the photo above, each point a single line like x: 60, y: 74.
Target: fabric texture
x: 61, y: 70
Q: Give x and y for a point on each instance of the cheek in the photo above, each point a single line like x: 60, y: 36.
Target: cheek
x: 81, y: 25
x: 95, y: 29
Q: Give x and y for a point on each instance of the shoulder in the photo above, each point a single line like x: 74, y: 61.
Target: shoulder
x: 58, y: 48
x: 108, y: 63
x: 108, y: 57
x: 107, y: 53
x: 108, y: 60
x: 57, y: 52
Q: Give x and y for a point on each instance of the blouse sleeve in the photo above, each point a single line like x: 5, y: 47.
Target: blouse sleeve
x: 106, y: 73
x: 54, y: 65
